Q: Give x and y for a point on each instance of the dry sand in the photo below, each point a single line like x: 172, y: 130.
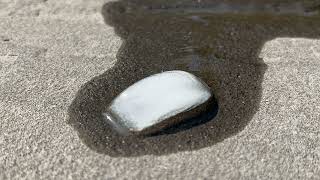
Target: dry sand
x: 49, y: 50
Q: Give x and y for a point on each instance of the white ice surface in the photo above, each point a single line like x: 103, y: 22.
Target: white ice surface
x: 158, y: 97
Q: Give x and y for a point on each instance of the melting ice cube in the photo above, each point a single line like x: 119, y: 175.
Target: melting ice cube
x: 157, y: 102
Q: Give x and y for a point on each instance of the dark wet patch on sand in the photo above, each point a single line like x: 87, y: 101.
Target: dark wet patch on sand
x: 222, y: 49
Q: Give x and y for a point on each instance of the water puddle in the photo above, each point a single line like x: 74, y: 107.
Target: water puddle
x: 219, y: 45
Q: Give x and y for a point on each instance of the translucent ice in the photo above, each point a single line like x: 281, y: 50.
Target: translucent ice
x: 155, y: 99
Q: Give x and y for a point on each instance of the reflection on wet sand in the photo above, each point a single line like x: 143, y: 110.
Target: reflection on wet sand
x: 220, y: 48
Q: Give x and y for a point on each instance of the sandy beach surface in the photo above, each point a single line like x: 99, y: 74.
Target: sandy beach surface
x: 52, y: 53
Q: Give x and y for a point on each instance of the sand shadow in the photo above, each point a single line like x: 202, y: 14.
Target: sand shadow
x: 222, y: 49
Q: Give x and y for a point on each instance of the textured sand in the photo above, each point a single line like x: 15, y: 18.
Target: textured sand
x: 49, y: 49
